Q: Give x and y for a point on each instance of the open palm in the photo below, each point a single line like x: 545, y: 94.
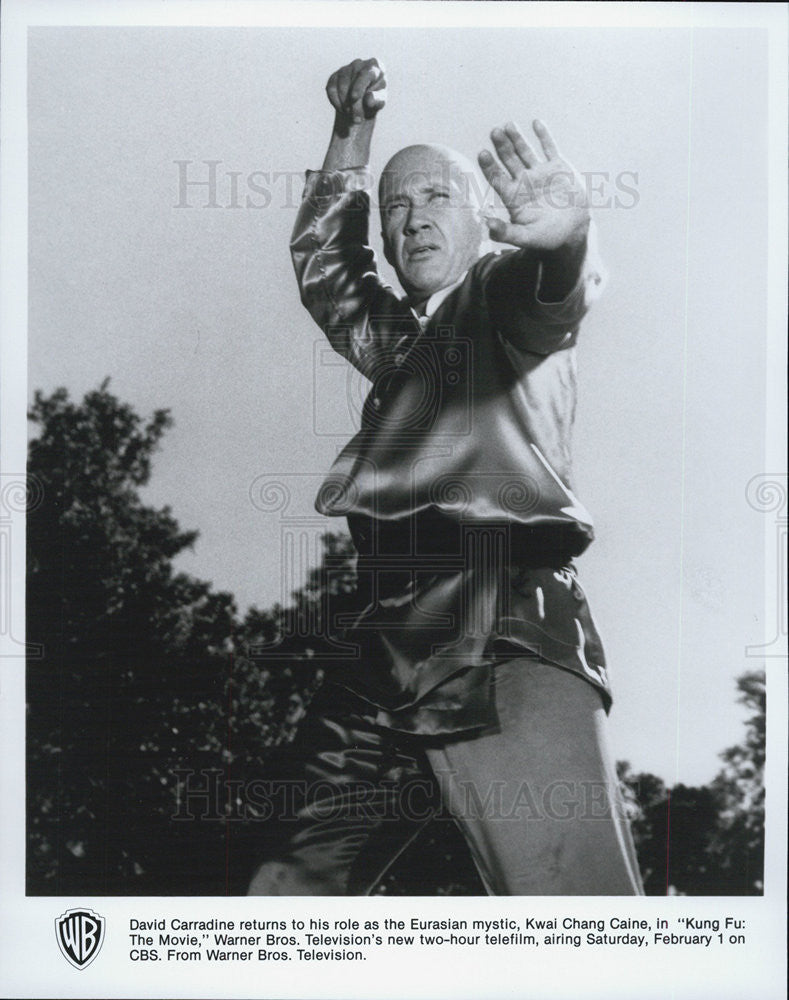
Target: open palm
x: 545, y: 199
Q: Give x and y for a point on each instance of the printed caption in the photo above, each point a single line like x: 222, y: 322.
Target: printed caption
x: 319, y: 939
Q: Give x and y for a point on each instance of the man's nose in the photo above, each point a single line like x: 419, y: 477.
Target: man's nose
x: 416, y: 221
x: 418, y: 218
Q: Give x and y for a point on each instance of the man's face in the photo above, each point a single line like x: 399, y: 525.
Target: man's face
x: 430, y: 224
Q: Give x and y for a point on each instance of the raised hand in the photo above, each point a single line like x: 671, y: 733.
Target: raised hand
x: 357, y: 91
x: 545, y: 198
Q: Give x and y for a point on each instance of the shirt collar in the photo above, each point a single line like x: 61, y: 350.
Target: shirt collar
x: 427, y: 307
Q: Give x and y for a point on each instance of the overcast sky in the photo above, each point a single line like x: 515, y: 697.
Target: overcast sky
x: 196, y: 308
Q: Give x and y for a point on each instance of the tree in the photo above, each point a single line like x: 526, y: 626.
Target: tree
x: 707, y: 840
x: 646, y: 803
x: 739, y: 844
x: 134, y: 653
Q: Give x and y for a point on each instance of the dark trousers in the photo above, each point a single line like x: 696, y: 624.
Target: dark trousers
x: 536, y: 798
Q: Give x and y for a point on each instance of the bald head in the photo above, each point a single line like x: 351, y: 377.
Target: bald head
x: 432, y: 232
x: 426, y: 160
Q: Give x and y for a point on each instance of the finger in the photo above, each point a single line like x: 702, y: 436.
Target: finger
x: 546, y: 140
x: 364, y: 74
x: 332, y: 92
x: 374, y: 100
x: 506, y: 152
x: 526, y: 154
x: 494, y: 175
x: 375, y: 95
x: 499, y: 230
x: 343, y: 82
x: 379, y: 77
x: 369, y: 75
x: 518, y: 234
x: 357, y: 85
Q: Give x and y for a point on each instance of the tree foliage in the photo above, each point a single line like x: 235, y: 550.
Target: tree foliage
x: 134, y: 654
x: 707, y: 840
x: 739, y: 787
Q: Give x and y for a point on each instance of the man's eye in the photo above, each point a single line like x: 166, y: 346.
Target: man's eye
x: 394, y: 206
x: 439, y: 194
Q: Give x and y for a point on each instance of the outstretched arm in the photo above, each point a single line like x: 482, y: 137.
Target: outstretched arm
x: 539, y: 295
x: 357, y: 92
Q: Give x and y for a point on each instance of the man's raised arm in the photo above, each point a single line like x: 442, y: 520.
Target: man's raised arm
x: 334, y: 263
x: 357, y: 92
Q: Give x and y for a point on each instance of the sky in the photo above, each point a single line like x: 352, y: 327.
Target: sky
x: 186, y: 299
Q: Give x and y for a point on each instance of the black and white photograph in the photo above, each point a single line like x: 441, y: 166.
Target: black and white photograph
x: 394, y: 500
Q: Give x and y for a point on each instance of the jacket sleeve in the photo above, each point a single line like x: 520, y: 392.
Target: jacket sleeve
x: 336, y: 270
x: 522, y: 317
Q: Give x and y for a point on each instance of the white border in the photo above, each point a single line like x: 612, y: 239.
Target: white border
x: 30, y: 963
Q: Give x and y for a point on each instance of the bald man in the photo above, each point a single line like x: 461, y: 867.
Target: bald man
x: 475, y: 681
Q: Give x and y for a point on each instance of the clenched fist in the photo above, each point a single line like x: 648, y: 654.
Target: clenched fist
x: 357, y: 91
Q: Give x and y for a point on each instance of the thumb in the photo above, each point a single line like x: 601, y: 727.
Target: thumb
x: 501, y: 231
x: 374, y: 100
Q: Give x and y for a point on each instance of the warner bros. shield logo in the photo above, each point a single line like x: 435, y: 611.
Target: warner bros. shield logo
x: 80, y: 935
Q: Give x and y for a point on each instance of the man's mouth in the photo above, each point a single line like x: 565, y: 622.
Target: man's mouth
x: 422, y: 252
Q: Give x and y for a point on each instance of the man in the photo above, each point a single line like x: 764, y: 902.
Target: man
x: 478, y: 673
